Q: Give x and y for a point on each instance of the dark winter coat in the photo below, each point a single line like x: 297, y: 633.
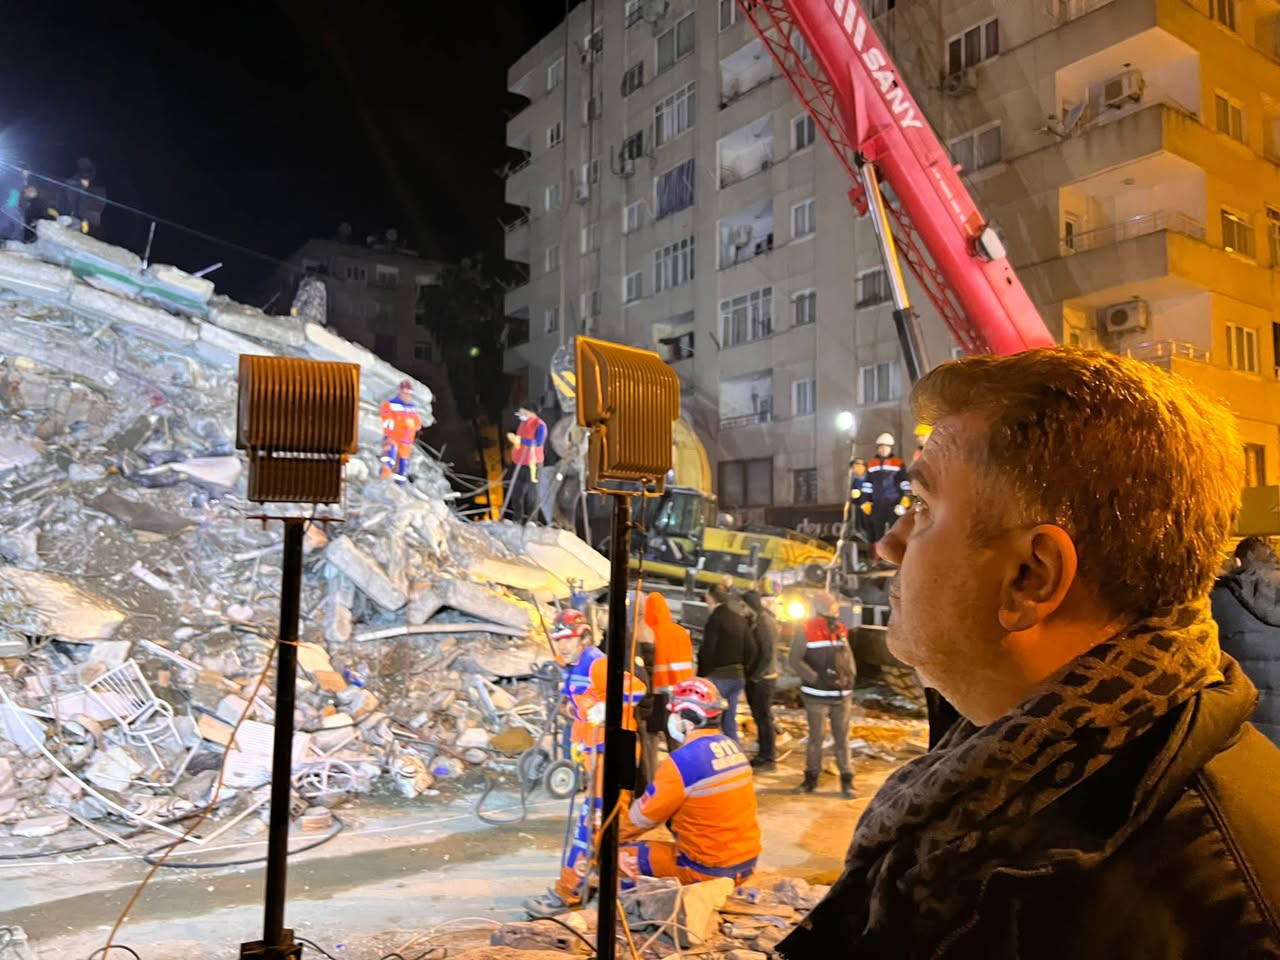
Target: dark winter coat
x: 824, y: 660
x: 727, y: 645
x: 1169, y: 853
x: 764, y: 665
x: 1246, y: 606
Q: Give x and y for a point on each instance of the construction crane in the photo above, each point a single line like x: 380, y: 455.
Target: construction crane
x: 880, y: 135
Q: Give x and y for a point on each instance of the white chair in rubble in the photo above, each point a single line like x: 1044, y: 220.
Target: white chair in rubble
x: 145, y: 719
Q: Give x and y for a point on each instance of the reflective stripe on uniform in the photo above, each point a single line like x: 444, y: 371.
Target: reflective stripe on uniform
x: 814, y: 644
x: 815, y: 692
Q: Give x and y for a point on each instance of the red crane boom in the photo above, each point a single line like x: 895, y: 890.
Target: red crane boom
x: 879, y: 132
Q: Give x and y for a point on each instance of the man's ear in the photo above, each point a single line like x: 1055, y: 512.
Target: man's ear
x: 1042, y: 570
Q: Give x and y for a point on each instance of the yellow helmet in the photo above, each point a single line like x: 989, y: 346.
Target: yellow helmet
x: 923, y: 430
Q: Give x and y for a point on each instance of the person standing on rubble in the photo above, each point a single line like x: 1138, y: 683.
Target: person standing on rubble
x: 726, y: 649
x: 824, y: 662
x: 84, y: 198
x: 762, y: 676
x: 579, y: 856
x: 400, y: 426
x: 576, y: 652
x: 527, y: 445
x: 887, y: 494
x: 704, y: 791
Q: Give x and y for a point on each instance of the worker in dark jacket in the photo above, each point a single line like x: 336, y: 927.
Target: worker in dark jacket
x: 1246, y: 606
x: 1101, y: 793
x: 823, y: 660
x: 762, y: 677
x: 726, y: 649
x: 84, y: 199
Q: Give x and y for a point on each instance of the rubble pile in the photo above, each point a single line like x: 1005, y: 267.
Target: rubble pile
x: 663, y: 919
x: 139, y: 599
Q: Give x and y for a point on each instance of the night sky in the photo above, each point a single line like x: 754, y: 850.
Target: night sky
x: 264, y: 124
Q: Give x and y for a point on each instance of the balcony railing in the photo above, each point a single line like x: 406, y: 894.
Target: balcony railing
x: 516, y: 224
x: 1072, y: 9
x: 746, y: 420
x: 1175, y: 221
x: 1160, y: 352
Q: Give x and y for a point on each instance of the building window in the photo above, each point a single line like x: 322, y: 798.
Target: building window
x: 1224, y: 11
x: 1275, y: 347
x: 1237, y: 234
x: 591, y: 171
x: 676, y: 43
x: 804, y: 307
x: 590, y: 110
x: 746, y: 318
x: 804, y: 219
x: 551, y: 197
x: 674, y: 189
x: 1070, y: 229
x: 555, y: 133
x: 385, y: 276
x: 590, y: 304
x: 550, y: 320
x: 877, y: 384
x: 632, y: 216
x: 590, y: 238
x: 356, y: 272
x: 804, y: 397
x: 873, y: 287
x: 633, y: 146
x: 632, y: 287
x: 551, y: 257
x: 802, y: 132
x: 1230, y: 116
x: 593, y: 44
x: 804, y: 485
x: 555, y: 73
x: 1273, y: 239
x: 674, y: 115
x: 1255, y: 465
x: 422, y: 351
x: 728, y: 13
x: 978, y: 148
x: 746, y: 483
x: 633, y: 79
x: 976, y: 44
x: 673, y: 265
x: 1242, y: 348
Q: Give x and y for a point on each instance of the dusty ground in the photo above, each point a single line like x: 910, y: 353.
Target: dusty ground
x: 399, y: 870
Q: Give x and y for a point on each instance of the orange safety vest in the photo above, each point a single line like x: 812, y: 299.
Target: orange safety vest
x: 633, y: 691
x: 529, y: 452
x: 672, y: 647
x: 400, y: 422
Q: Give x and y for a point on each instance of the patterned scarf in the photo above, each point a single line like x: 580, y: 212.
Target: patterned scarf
x: 942, y: 822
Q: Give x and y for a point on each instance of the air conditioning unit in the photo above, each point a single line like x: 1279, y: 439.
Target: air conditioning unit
x: 961, y: 82
x: 740, y: 237
x: 1128, y: 317
x: 583, y: 192
x: 653, y: 10
x: 1123, y: 88
x: 626, y: 167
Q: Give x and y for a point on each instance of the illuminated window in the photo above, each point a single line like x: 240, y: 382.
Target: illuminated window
x: 1242, y: 348
x: 1237, y: 234
x: 1230, y: 117
x: 1224, y: 11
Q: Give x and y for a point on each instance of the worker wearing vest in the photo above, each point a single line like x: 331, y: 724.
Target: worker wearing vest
x: 704, y: 792
x: 576, y: 652
x: 672, y: 660
x: 527, y: 442
x: 588, y: 741
x: 824, y: 662
x: 400, y: 426
x: 885, y: 492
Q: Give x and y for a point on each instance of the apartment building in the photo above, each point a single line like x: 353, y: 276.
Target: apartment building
x: 679, y: 199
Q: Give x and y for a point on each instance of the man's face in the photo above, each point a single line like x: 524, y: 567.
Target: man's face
x: 883, y: 450
x: 859, y: 469
x: 945, y: 597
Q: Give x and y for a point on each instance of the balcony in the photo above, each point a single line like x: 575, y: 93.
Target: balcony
x: 746, y: 420
x: 1068, y: 10
x: 745, y: 152
x: 1142, y: 225
x: 746, y: 235
x: 517, y: 242
x: 747, y: 400
x: 744, y: 70
x: 1163, y: 353
x: 517, y: 328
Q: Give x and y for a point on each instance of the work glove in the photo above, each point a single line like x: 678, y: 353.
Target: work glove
x: 855, y: 494
x: 84, y: 226
x: 513, y: 439
x: 595, y: 716
x: 903, y: 506
x: 866, y: 508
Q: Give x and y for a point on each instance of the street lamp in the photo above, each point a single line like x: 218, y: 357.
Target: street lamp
x: 846, y: 421
x: 847, y: 424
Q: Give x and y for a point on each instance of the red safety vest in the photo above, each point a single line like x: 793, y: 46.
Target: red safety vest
x: 530, y: 450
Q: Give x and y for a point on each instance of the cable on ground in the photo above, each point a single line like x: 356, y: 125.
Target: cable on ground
x: 149, y: 856
x: 117, y: 946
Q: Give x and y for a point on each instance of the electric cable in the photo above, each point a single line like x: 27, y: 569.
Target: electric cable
x: 118, y: 946
x: 149, y: 856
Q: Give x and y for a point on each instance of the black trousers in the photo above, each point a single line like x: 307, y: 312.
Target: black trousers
x: 760, y: 700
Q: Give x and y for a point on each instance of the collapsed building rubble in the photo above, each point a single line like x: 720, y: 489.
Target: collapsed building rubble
x: 138, y: 599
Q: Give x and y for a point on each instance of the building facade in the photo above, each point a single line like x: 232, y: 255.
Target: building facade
x: 676, y: 197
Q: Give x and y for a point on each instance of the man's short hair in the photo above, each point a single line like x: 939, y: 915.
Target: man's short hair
x: 1136, y: 465
x: 1256, y: 550
x: 718, y: 592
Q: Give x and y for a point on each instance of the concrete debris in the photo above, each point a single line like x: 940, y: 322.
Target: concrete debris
x: 119, y: 479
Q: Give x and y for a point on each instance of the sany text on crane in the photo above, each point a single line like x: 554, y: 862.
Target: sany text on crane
x: 855, y: 26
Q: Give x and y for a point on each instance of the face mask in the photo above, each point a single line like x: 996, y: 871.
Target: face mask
x: 522, y: 416
x: 678, y: 728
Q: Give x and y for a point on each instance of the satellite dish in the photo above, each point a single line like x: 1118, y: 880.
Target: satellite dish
x: 1073, y: 117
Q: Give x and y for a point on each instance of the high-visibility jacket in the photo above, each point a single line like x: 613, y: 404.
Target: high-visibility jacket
x: 825, y: 663
x: 633, y: 691
x: 672, y: 648
x: 578, y: 677
x: 706, y: 791
x: 400, y: 421
x: 533, y: 434
x: 886, y: 480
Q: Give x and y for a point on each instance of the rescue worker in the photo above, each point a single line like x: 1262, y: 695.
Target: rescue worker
x: 672, y: 664
x: 400, y: 426
x: 860, y: 495
x: 825, y: 665
x: 527, y: 442
x: 84, y: 199
x: 887, y: 488
x: 588, y: 745
x: 704, y: 792
x: 576, y: 652
x: 922, y: 434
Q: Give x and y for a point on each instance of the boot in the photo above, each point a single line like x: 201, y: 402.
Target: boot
x: 846, y: 786
x: 550, y: 904
x: 810, y: 781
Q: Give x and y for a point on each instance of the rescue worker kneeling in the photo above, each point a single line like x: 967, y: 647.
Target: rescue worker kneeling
x: 704, y: 792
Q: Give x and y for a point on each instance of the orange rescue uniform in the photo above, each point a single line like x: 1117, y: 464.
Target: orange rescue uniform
x: 672, y: 648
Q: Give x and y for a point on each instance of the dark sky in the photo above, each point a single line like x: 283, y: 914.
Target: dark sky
x: 266, y: 123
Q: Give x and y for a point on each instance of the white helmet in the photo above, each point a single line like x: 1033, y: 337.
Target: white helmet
x: 885, y: 440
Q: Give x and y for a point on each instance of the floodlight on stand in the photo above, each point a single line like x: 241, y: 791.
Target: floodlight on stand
x: 628, y: 399
x: 298, y: 422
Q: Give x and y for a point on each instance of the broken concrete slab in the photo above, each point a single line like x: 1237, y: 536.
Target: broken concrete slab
x: 141, y: 516
x: 41, y: 826
x: 252, y: 322
x: 226, y: 346
x: 18, y: 451
x: 176, y: 288
x: 83, y: 253
x: 112, y: 769
x: 35, y: 278
x: 366, y: 574
x: 62, y: 609
x: 484, y: 603
x: 219, y: 471
x: 142, y: 319
x: 424, y: 603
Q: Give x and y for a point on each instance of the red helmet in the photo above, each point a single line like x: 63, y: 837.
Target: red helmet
x: 406, y: 386
x: 570, y: 623
x: 698, y: 696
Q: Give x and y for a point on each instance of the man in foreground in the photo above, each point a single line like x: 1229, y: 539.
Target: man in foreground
x: 704, y: 791
x: 1102, y: 794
